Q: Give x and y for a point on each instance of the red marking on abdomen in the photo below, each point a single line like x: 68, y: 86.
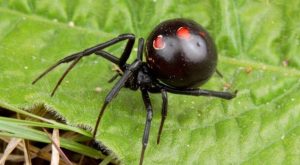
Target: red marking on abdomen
x: 158, y: 42
x: 184, y: 33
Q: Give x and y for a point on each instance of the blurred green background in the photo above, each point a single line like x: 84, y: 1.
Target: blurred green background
x: 258, y: 43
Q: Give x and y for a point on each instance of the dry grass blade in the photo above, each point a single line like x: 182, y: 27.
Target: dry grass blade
x: 64, y: 157
x: 13, y: 143
x: 25, y: 148
x: 34, y: 151
x: 55, y: 152
x: 26, y: 152
x: 15, y: 158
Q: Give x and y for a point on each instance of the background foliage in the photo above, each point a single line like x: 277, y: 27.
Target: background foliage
x: 258, y: 43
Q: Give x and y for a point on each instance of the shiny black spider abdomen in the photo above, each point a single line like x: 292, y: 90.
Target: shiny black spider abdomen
x: 181, y: 53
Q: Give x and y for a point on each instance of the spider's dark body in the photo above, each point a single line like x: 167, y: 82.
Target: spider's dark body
x: 181, y: 53
x: 180, y: 56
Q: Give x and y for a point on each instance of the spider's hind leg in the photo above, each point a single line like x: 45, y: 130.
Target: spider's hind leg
x: 200, y: 92
x: 129, y: 72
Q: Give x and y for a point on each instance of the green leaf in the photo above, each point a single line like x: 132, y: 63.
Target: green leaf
x: 258, y: 44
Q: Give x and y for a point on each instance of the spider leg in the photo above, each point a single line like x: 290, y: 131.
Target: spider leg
x: 199, y: 92
x: 140, y: 49
x: 125, y: 55
x: 64, y: 75
x: 139, y: 57
x: 164, y: 112
x: 115, y: 90
x: 219, y: 73
x: 148, y: 106
x: 108, y: 56
x: 97, y: 48
x: 132, y: 68
x: 113, y: 78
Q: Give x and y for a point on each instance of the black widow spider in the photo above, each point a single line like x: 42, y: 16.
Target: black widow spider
x: 180, y: 56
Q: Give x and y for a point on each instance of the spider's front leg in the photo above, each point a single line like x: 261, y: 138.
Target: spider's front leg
x: 115, y: 90
x: 129, y: 72
x: 97, y: 49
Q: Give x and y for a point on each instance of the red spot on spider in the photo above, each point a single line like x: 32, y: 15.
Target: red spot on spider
x: 158, y: 42
x: 184, y: 33
x: 202, y: 34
